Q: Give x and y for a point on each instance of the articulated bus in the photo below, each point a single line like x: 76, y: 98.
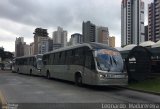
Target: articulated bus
x: 88, y: 63
x: 28, y: 64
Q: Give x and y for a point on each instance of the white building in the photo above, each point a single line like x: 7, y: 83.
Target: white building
x: 27, y: 50
x: 32, y: 48
x: 19, y: 47
x: 59, y: 38
x: 76, y: 39
x: 43, y: 45
x: 40, y: 41
x: 132, y: 22
x: 102, y: 35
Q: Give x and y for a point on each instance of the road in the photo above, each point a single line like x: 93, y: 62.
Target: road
x: 18, y: 88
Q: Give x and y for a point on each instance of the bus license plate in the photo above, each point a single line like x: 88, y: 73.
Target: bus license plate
x: 118, y: 76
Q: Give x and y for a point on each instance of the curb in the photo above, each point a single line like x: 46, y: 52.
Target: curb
x: 149, y: 92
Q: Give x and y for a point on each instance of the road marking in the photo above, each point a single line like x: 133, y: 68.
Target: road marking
x: 3, y: 101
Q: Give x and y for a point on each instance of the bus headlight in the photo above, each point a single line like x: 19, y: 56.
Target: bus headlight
x: 102, y: 76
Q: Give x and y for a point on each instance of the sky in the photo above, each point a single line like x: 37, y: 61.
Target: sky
x: 19, y: 18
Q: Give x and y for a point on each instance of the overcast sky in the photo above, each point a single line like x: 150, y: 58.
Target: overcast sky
x: 19, y: 18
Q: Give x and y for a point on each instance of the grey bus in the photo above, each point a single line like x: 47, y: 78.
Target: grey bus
x: 28, y: 64
x: 88, y: 63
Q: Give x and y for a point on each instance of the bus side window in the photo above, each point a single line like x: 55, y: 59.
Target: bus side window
x: 47, y: 59
x: 56, y: 60
x: 89, y: 60
x: 68, y: 57
x: 73, y: 60
x: 52, y: 58
x: 63, y: 58
x: 27, y: 61
x: 76, y: 57
x: 80, y: 57
x: 34, y: 62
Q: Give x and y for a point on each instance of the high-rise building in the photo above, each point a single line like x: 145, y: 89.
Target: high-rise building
x: 132, y: 22
x: 76, y: 38
x: 154, y: 21
x: 50, y: 44
x: 146, y: 33
x: 59, y: 38
x: 102, y: 35
x: 27, y: 50
x: 40, y: 41
x: 19, y: 47
x: 43, y: 45
x: 89, y: 32
x: 112, y: 41
x: 32, y: 48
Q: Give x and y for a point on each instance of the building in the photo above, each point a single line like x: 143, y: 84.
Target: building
x: 112, y: 41
x: 43, y: 45
x: 146, y: 33
x: 59, y: 38
x: 154, y: 21
x: 102, y: 35
x: 50, y: 44
x: 27, y: 50
x: 88, y: 32
x: 132, y: 22
x: 1, y: 53
x: 76, y: 38
x: 151, y: 19
x: 19, y: 47
x: 32, y: 48
x: 57, y: 46
x: 40, y: 41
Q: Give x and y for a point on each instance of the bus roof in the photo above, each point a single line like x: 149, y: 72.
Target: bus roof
x: 28, y: 56
x: 91, y: 45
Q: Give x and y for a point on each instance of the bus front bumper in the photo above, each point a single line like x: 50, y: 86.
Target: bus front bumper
x: 112, y: 82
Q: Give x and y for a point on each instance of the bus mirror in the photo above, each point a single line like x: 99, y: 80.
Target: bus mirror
x: 95, y: 53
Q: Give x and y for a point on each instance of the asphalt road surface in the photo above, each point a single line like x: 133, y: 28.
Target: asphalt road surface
x: 29, y: 90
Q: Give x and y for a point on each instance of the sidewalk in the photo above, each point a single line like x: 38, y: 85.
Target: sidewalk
x: 144, y: 91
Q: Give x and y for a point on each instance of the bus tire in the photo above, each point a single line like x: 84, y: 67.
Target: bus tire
x: 30, y: 73
x: 48, y: 76
x: 78, y: 79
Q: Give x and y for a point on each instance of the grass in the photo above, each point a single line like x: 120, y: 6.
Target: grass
x: 152, y: 85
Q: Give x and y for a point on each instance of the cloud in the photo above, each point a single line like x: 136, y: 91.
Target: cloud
x: 64, y: 13
x: 21, y: 17
x: 14, y: 29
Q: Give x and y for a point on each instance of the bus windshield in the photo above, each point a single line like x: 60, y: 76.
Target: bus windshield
x: 109, y: 60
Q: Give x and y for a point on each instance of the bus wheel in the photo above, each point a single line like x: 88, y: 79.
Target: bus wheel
x: 30, y: 73
x: 78, y: 79
x: 48, y: 75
